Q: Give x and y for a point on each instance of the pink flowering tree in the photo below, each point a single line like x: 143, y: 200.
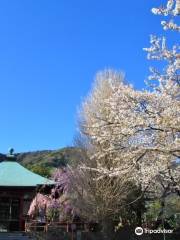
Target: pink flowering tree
x: 64, y: 192
x: 58, y: 205
x: 39, y: 206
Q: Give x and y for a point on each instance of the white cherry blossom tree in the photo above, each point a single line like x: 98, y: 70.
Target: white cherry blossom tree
x: 134, y: 136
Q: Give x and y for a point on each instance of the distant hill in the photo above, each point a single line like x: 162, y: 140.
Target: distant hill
x: 51, y: 158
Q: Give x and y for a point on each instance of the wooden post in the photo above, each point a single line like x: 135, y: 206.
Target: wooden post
x: 21, y: 219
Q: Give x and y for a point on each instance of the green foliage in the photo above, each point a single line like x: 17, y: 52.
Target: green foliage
x: 44, y: 162
x: 53, y: 214
x: 40, y: 169
x: 172, y: 205
x: 51, y: 158
x: 171, y: 211
x: 153, y: 210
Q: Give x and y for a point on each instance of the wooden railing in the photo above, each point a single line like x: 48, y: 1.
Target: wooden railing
x: 34, y: 225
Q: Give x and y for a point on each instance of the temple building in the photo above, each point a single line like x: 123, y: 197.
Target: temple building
x: 18, y: 187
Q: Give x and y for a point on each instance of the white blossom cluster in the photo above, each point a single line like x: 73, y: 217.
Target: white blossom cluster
x: 160, y: 51
x: 170, y: 25
x: 172, y: 8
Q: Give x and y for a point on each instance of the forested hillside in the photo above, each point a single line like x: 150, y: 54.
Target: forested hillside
x: 45, y: 161
x: 50, y: 158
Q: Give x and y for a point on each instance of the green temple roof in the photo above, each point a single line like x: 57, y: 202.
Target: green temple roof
x: 12, y: 174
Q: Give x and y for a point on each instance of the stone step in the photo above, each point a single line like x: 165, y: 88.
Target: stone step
x: 13, y: 236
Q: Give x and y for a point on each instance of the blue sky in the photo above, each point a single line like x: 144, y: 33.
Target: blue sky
x: 50, y: 51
